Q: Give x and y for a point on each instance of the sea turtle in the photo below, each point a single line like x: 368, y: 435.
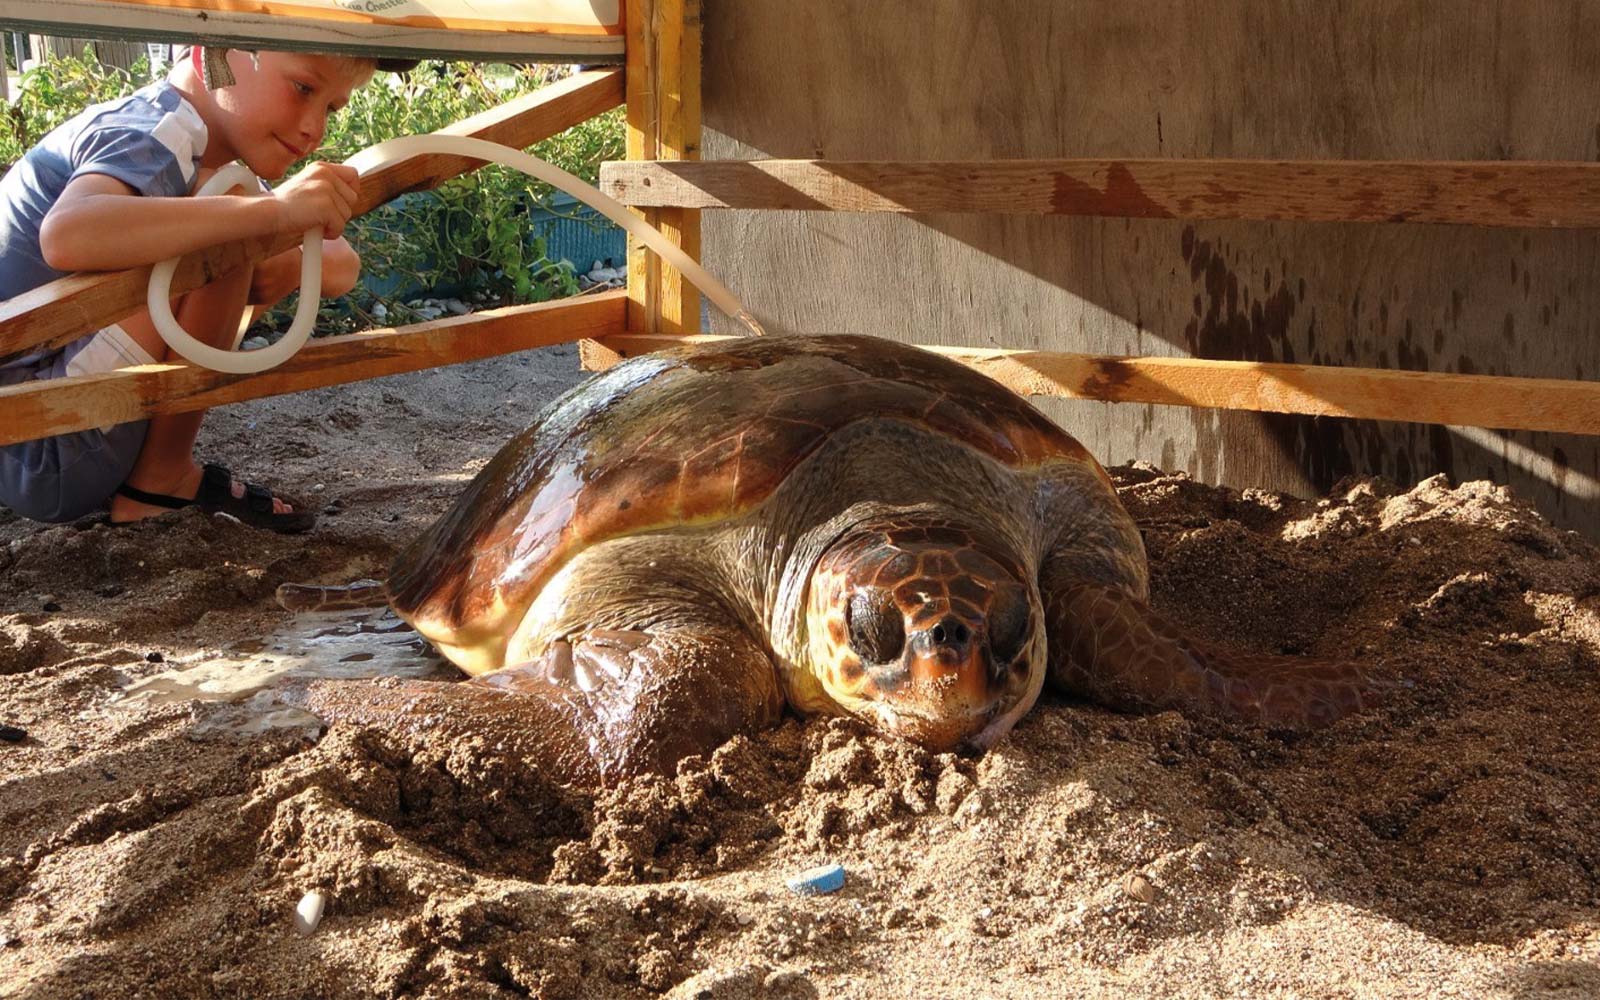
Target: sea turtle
x: 845, y: 525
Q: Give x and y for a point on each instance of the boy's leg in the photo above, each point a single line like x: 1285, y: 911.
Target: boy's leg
x: 166, y: 463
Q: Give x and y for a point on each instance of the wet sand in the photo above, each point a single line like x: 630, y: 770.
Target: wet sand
x: 153, y: 845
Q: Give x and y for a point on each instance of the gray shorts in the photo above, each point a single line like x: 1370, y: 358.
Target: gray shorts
x: 64, y: 477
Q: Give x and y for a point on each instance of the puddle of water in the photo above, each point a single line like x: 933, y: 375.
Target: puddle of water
x: 239, y: 689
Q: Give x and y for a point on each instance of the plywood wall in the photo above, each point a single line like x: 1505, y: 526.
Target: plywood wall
x: 1366, y: 79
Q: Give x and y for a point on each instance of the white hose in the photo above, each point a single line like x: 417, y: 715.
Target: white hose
x: 159, y: 298
x: 374, y: 158
x: 385, y: 153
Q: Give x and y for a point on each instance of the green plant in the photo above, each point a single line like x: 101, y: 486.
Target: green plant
x: 54, y: 91
x: 469, y: 235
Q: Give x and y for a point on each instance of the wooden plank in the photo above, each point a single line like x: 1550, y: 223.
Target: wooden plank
x: 1498, y: 401
x: 663, y: 96
x: 333, y: 29
x: 40, y: 409
x: 1515, y: 194
x: 63, y: 310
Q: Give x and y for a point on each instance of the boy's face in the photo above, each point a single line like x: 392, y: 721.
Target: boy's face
x: 277, y: 112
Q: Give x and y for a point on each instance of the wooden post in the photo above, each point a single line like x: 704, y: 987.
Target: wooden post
x: 663, y: 94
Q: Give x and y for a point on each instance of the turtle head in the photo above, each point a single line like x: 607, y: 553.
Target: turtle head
x: 924, y: 629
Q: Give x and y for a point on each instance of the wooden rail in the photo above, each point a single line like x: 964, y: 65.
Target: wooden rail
x: 40, y: 409
x: 59, y: 312
x: 1501, y: 402
x: 344, y: 27
x: 1478, y: 193
x: 663, y: 63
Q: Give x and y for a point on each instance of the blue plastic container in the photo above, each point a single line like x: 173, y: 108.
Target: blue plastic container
x: 817, y: 881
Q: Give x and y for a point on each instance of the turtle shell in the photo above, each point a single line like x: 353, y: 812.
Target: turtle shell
x: 688, y: 436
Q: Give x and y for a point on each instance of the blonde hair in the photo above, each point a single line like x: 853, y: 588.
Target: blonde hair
x: 359, y: 68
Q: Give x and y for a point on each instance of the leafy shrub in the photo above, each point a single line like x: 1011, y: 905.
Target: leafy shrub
x: 469, y: 235
x: 54, y: 91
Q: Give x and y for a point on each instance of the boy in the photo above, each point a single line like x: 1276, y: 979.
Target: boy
x: 109, y: 190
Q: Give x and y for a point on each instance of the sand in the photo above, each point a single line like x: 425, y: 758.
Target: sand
x: 1446, y: 844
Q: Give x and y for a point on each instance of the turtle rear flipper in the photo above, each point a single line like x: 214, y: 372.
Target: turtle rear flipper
x: 1111, y: 647
x: 606, y: 705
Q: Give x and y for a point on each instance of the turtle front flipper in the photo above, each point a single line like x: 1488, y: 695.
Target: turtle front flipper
x: 599, y: 707
x: 1109, y: 646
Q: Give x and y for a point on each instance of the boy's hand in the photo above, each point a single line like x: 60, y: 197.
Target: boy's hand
x: 323, y: 194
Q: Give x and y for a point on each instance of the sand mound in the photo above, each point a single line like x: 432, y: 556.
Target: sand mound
x: 1447, y: 843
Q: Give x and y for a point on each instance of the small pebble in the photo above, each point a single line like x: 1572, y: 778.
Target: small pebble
x: 818, y: 881
x: 51, y: 606
x: 1138, y: 886
x: 154, y: 657
x: 12, y: 734
x: 308, y: 914
x: 254, y: 343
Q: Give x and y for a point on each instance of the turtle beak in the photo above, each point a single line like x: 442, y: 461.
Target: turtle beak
x: 951, y: 669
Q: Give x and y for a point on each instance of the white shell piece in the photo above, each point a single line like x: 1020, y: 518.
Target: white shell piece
x: 308, y: 912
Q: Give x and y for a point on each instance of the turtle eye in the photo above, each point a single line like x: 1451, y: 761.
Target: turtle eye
x: 1008, y: 628
x: 877, y: 630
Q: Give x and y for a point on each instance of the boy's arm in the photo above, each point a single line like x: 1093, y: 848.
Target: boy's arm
x: 101, y: 224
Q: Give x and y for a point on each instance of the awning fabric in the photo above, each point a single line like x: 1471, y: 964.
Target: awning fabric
x: 566, y: 30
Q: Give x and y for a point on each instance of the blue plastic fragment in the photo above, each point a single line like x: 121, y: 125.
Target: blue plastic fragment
x: 818, y: 881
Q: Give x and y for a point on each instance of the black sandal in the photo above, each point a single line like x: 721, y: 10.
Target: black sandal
x: 216, y: 494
